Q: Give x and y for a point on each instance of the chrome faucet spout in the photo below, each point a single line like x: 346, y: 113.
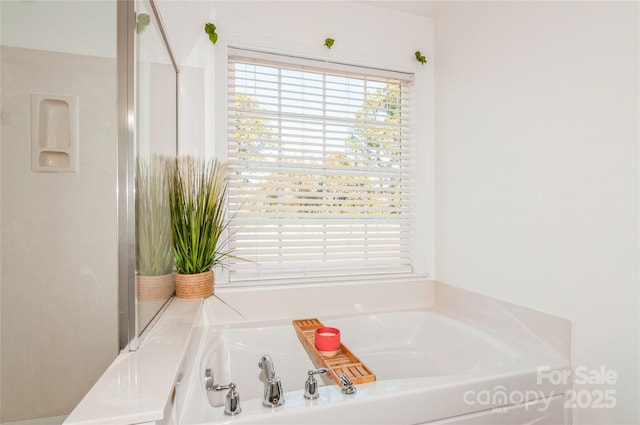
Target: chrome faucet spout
x: 266, y: 364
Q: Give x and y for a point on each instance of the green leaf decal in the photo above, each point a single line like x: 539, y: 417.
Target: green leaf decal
x: 142, y: 20
x: 210, y: 29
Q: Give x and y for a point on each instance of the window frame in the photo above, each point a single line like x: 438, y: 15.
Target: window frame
x: 423, y: 248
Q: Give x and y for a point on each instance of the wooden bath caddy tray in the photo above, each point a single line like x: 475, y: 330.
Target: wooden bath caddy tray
x: 343, y: 362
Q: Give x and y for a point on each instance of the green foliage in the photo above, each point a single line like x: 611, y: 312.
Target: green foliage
x: 154, y: 255
x: 198, y: 214
x: 420, y: 57
x: 253, y: 133
x: 377, y: 141
x: 142, y: 20
x: 210, y: 30
x: 329, y: 42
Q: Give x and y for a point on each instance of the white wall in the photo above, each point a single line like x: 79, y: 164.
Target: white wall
x: 536, y: 138
x: 364, y: 35
x: 59, y: 237
x: 155, y: 96
x: 66, y: 26
x: 537, y: 170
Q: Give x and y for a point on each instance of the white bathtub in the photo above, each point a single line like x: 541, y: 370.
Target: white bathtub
x: 429, y: 366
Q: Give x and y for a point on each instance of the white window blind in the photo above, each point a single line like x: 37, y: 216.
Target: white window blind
x: 321, y: 169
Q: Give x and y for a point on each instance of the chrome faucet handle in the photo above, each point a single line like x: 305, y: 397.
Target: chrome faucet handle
x: 232, y: 400
x: 347, y: 386
x: 311, y: 384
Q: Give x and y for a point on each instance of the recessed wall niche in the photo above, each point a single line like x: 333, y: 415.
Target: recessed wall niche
x: 54, y: 133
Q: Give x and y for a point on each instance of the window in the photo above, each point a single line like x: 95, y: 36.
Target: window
x: 321, y: 168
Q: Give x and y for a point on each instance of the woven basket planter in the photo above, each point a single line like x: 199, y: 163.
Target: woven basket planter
x: 155, y: 288
x: 197, y: 285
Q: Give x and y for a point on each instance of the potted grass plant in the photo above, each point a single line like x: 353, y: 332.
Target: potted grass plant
x: 154, y: 253
x: 198, y: 222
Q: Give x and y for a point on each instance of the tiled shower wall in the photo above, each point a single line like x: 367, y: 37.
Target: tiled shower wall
x: 59, y: 238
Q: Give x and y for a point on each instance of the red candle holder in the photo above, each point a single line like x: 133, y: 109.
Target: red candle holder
x: 327, y: 341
